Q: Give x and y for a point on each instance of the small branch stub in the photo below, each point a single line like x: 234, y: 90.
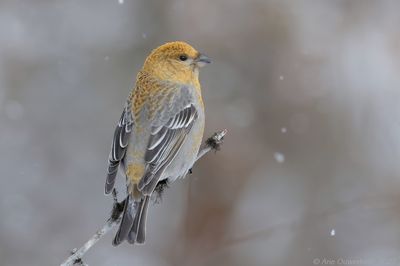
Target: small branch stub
x: 212, y: 143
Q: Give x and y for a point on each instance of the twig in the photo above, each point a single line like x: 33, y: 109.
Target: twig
x: 76, y: 257
x: 212, y: 143
x: 115, y: 218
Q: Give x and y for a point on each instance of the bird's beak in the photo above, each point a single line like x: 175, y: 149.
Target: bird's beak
x: 202, y: 60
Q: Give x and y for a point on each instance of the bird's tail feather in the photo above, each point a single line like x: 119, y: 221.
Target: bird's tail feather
x: 126, y: 222
x: 133, y: 223
x: 137, y: 233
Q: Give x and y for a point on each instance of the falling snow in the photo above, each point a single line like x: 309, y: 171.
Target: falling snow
x: 333, y: 232
x: 284, y: 130
x: 281, y: 77
x: 279, y: 157
x: 120, y: 2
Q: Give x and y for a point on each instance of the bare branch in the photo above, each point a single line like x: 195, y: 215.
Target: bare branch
x: 114, y: 220
x: 76, y: 257
x: 212, y: 143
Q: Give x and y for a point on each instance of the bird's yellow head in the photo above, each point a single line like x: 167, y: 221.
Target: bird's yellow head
x: 175, y: 61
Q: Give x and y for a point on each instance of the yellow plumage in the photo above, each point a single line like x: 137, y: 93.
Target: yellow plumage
x: 160, y: 131
x: 161, y: 64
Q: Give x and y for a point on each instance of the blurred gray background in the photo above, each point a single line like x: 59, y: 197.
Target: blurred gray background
x: 309, y: 91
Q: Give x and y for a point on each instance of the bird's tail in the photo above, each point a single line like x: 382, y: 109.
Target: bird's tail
x: 133, y: 223
x: 137, y: 233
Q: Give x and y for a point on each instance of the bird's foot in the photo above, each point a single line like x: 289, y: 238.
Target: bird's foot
x: 118, y: 207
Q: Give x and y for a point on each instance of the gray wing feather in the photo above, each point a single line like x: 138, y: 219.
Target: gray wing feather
x: 155, y: 175
x: 164, y: 143
x: 183, y: 97
x: 119, y: 145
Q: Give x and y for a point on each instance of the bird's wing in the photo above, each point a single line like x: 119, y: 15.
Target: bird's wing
x: 119, y: 145
x: 168, y: 133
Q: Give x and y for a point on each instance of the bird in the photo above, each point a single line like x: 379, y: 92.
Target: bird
x: 159, y: 133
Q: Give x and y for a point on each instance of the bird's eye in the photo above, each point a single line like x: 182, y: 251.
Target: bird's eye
x: 183, y: 57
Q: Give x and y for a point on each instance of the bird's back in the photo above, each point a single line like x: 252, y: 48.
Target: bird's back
x: 153, y: 103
